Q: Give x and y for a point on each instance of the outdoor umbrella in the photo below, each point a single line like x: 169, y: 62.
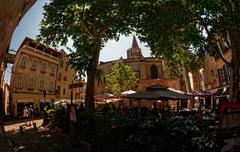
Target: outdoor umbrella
x: 124, y: 93
x: 104, y: 96
x: 128, y: 92
x: 201, y: 93
x: 158, y: 92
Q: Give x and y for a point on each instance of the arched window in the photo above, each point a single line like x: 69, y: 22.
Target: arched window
x: 154, y: 72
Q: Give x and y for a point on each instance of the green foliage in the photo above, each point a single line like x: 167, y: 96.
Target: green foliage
x: 177, y: 30
x: 86, y: 23
x: 186, y: 30
x: 122, y: 78
x: 147, y: 133
x: 89, y: 24
x: 171, y: 33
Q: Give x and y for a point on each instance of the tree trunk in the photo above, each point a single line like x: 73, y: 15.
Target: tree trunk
x: 91, y: 75
x: 235, y: 63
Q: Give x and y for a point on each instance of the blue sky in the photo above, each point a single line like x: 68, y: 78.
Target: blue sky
x: 29, y: 27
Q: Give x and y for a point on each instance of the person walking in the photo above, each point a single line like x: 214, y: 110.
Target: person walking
x: 30, y: 111
x: 25, y: 115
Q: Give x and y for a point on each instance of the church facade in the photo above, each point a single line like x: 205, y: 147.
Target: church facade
x: 149, y: 71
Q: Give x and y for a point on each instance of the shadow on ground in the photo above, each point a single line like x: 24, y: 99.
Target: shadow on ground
x: 41, y: 140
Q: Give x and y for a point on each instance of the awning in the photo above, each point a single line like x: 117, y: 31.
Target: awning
x: 218, y: 92
x: 44, y: 100
x: 201, y: 93
x: 25, y: 100
x: 159, y: 93
x: 222, y: 92
x: 104, y: 96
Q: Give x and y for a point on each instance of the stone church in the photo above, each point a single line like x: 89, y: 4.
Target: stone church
x: 149, y: 71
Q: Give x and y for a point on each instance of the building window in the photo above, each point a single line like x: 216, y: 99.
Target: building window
x: 30, y: 82
x: 34, y: 64
x: 51, y: 86
x: 61, y: 63
x: 53, y: 70
x: 44, y: 67
x: 154, y: 72
x: 19, y: 81
x: 219, y: 76
x: 226, y: 71
x: 41, y: 84
x: 59, y: 76
x: 224, y: 75
x: 23, y: 60
x: 64, y: 91
x: 58, y: 90
x: 66, y: 67
x: 65, y: 78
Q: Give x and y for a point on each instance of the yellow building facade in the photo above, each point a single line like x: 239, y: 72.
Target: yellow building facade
x: 65, y: 77
x: 40, y: 76
x: 215, y: 77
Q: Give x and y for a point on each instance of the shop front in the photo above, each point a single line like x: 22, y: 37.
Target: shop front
x: 22, y: 103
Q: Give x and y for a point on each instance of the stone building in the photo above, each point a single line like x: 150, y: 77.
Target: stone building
x: 217, y: 74
x: 214, y: 76
x: 11, y: 13
x: 66, y: 76
x: 149, y: 71
x: 40, y: 76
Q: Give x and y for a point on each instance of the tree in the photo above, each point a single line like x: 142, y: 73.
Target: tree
x: 89, y: 24
x: 200, y: 26
x: 122, y: 78
x: 221, y: 22
x: 171, y: 34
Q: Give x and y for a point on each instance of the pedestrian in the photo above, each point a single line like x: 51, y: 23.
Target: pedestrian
x: 25, y: 115
x: 30, y: 111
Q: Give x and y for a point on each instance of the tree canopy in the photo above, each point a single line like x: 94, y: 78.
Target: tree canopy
x: 89, y: 24
x: 170, y: 31
x: 179, y: 29
x: 121, y: 78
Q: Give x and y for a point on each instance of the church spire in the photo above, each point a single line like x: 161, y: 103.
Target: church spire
x: 134, y: 42
x: 135, y: 51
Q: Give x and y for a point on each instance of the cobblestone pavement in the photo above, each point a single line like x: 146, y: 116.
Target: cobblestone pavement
x: 41, y: 139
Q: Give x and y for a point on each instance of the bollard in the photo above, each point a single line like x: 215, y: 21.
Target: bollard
x: 21, y: 129
x: 34, y: 126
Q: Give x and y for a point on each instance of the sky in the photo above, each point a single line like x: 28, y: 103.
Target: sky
x: 29, y: 27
